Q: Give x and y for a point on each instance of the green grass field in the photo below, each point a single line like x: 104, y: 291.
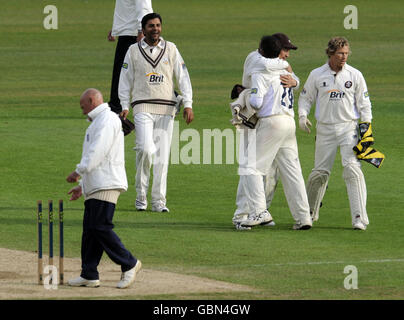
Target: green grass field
x: 44, y: 72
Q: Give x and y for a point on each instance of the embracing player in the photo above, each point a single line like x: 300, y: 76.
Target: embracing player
x: 275, y: 143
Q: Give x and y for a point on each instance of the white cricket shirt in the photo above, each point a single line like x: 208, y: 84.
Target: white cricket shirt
x: 339, y: 97
x: 269, y: 96
x: 255, y: 63
x: 128, y: 16
x: 152, y: 54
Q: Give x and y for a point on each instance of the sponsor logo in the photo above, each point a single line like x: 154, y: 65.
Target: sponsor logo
x: 125, y: 65
x: 304, y: 91
x: 348, y: 84
x: 155, y: 78
x: 366, y: 94
x: 324, y: 84
x: 336, y: 94
x: 254, y: 90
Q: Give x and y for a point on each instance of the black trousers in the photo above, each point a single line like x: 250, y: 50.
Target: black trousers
x: 98, y: 237
x: 124, y: 42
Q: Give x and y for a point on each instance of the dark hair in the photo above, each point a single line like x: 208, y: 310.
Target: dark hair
x: 270, y: 46
x: 150, y: 16
x: 235, y: 92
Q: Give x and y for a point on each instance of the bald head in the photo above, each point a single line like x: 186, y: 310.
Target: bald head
x: 90, y: 99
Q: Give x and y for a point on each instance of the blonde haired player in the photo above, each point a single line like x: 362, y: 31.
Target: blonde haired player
x: 341, y: 97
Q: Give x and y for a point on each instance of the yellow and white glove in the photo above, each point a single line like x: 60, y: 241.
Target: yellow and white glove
x: 304, y: 124
x: 363, y: 150
x: 365, y: 137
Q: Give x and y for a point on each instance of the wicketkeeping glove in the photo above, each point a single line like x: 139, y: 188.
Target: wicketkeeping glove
x: 366, y: 137
x: 372, y: 156
x: 304, y: 124
x: 363, y: 150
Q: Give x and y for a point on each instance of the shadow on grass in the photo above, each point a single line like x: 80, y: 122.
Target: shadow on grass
x: 34, y: 209
x: 159, y: 221
x: 55, y: 117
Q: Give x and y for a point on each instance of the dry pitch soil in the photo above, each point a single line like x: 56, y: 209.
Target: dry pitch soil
x: 19, y: 280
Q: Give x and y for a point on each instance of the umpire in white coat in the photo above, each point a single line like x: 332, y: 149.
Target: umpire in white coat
x: 341, y: 97
x: 103, y: 178
x: 147, y: 84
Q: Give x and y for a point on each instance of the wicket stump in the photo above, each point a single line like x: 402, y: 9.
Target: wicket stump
x: 40, y: 266
x: 50, y: 221
x: 61, y: 239
x: 61, y: 245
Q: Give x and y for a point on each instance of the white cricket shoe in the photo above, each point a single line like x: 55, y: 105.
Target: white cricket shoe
x: 358, y: 225
x: 267, y: 220
x: 256, y: 219
x: 140, y: 205
x: 240, y: 227
x: 81, y: 282
x: 128, y: 277
x: 160, y: 209
x: 269, y: 224
x: 237, y: 222
x: 301, y: 226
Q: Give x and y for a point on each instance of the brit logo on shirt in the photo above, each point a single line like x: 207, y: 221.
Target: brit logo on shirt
x: 155, y: 78
x: 348, y: 84
x: 336, y: 94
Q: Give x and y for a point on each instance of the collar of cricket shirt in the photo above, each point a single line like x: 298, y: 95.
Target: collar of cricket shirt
x: 145, y: 45
x: 97, y: 110
x: 344, y: 67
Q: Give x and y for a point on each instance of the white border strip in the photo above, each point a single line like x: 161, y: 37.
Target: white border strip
x: 328, y: 262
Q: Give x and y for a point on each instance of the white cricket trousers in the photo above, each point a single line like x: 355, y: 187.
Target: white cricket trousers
x: 248, y: 136
x: 276, y: 142
x: 345, y: 136
x: 153, y: 143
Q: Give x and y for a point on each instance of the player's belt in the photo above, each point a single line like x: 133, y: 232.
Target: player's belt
x: 154, y: 101
x: 275, y: 115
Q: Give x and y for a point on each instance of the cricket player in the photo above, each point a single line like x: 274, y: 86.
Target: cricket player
x: 341, y: 98
x: 275, y: 141
x: 127, y: 27
x: 147, y: 84
x: 254, y: 64
x: 288, y: 81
